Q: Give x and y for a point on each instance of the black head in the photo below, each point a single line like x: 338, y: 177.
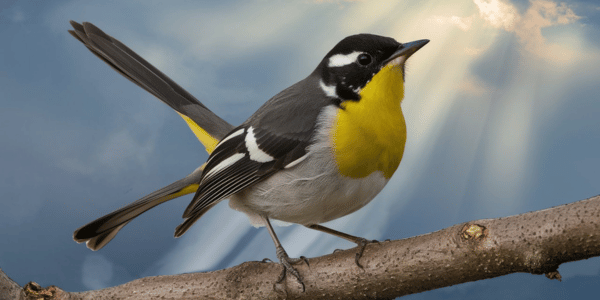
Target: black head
x: 353, y: 62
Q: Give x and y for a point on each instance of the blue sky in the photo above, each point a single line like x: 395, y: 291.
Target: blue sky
x: 502, y: 110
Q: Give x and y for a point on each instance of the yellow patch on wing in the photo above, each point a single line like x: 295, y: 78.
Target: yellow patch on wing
x: 206, y: 139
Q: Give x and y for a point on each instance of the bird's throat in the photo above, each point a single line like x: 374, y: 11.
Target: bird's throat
x: 369, y: 135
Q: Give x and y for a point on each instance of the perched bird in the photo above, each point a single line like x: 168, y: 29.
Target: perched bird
x: 319, y: 150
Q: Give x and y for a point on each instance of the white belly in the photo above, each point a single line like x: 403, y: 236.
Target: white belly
x: 311, y: 192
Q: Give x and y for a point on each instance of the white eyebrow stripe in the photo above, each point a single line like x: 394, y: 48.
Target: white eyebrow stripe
x: 340, y: 60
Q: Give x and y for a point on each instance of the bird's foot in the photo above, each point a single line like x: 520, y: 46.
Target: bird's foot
x: 362, y: 243
x: 287, y: 263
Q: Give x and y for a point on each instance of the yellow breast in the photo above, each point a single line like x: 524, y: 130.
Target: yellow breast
x: 369, y: 135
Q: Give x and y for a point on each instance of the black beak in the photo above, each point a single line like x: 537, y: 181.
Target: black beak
x: 404, y: 52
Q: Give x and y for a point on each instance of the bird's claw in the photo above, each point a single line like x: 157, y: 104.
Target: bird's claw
x: 362, y: 243
x: 287, y: 263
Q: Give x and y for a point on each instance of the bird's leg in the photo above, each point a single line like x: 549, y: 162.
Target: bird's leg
x: 283, y: 257
x: 361, y: 242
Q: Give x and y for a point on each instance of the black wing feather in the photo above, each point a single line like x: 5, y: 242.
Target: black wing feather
x: 242, y: 173
x: 225, y: 183
x: 283, y: 128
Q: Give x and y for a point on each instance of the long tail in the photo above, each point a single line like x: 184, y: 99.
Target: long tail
x: 207, y: 126
x: 99, y: 232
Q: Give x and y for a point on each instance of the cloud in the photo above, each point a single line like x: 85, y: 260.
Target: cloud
x: 474, y: 51
x: 463, y: 24
x: 498, y: 13
x: 543, y: 14
x: 528, y: 27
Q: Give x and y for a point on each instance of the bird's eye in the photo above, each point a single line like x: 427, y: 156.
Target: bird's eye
x: 364, y: 59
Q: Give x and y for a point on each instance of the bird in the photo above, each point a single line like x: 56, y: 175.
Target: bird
x: 316, y: 151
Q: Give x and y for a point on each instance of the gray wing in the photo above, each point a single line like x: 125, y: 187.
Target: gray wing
x: 274, y: 138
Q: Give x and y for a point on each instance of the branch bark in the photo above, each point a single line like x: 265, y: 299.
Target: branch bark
x: 535, y: 242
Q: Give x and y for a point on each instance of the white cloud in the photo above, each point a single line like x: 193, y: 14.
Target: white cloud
x: 501, y: 14
x: 463, y: 24
x: 543, y: 14
x: 498, y: 13
x: 471, y: 51
x: 528, y: 27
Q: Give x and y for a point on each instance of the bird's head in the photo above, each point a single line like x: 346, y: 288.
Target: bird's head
x: 353, y: 63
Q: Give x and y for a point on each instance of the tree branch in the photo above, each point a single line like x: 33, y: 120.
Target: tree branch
x: 535, y: 242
